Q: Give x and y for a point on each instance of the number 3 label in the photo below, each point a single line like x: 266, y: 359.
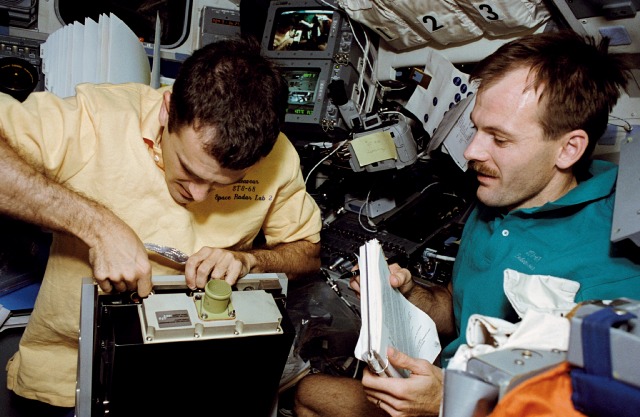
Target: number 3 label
x: 488, y: 12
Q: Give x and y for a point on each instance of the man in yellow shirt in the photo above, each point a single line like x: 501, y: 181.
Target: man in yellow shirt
x: 201, y: 167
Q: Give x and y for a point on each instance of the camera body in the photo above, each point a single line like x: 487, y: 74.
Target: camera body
x: 405, y: 146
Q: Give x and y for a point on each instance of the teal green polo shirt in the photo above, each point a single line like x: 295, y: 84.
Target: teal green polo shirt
x: 567, y: 238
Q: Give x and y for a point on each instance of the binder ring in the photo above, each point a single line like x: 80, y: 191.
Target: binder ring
x: 381, y: 371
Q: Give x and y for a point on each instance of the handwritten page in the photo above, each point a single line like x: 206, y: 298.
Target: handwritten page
x: 458, y: 130
x: 388, y: 318
x: 373, y: 148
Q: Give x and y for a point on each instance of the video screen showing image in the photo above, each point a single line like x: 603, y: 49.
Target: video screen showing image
x: 302, y: 90
x: 301, y: 30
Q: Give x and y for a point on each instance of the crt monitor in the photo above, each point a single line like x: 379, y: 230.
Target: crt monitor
x: 303, y: 91
x: 307, y: 102
x: 303, y: 29
x: 309, y: 109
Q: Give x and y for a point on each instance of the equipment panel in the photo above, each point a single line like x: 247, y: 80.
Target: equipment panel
x: 179, y: 348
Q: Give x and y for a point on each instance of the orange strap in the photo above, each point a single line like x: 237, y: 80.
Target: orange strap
x: 545, y: 395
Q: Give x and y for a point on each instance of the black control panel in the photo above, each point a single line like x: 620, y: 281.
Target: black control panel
x: 19, y: 60
x: 422, y: 235
x: 341, y: 241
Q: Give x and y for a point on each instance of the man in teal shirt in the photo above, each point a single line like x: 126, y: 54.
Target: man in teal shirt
x: 566, y: 238
x: 544, y: 208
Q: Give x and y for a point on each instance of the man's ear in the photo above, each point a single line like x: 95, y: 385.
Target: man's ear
x: 574, y: 144
x: 164, y: 109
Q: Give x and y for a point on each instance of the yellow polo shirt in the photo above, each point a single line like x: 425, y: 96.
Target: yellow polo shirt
x: 93, y: 142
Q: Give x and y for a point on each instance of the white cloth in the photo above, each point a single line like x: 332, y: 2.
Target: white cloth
x: 542, y: 301
x: 543, y: 293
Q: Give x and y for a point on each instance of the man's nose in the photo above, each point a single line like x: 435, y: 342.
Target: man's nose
x: 474, y: 150
x: 199, y: 192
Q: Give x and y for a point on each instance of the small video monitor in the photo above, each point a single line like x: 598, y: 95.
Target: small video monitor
x: 303, y: 29
x: 303, y: 84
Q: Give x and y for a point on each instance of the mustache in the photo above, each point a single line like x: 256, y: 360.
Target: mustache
x: 483, y: 169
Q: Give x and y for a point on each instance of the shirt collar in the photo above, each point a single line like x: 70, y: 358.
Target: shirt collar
x: 600, y: 185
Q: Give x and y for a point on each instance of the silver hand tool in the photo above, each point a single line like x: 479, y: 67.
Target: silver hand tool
x: 168, y: 252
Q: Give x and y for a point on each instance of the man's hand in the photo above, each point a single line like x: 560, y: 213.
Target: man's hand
x: 119, y: 260
x: 400, y: 278
x: 293, y: 259
x: 418, y: 395
x: 217, y: 264
x: 354, y: 281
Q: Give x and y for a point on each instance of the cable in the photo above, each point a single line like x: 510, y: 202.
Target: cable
x: 387, y: 88
x: 365, y: 204
x: 330, y: 5
x: 627, y: 126
x: 351, y: 27
x: 365, y: 56
x: 340, y: 145
x: 431, y: 253
x: 429, y: 186
x: 355, y: 372
x: 334, y: 286
x: 404, y: 117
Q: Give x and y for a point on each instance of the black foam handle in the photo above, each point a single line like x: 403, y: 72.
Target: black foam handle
x: 338, y: 92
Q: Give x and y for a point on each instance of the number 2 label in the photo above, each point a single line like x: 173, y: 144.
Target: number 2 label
x: 431, y: 23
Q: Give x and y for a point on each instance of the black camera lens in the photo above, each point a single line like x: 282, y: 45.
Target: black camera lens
x: 18, y: 78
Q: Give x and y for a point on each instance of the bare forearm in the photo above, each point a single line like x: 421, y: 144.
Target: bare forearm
x: 116, y: 254
x: 437, y: 302
x: 30, y: 196
x: 294, y: 259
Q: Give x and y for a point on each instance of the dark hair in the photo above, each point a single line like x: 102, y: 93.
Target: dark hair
x: 580, y: 81
x: 234, y: 97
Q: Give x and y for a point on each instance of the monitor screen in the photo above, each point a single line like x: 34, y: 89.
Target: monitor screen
x: 307, y: 104
x: 309, y: 108
x: 304, y: 29
x: 300, y: 30
x: 303, y: 88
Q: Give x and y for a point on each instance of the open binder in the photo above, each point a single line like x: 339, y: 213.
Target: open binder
x: 388, y: 318
x: 107, y: 51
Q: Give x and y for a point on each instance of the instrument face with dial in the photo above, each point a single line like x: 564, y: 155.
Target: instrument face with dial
x: 18, y: 77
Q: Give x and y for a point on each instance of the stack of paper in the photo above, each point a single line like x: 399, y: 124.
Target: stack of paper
x: 294, y: 370
x: 388, y: 318
x: 104, y: 52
